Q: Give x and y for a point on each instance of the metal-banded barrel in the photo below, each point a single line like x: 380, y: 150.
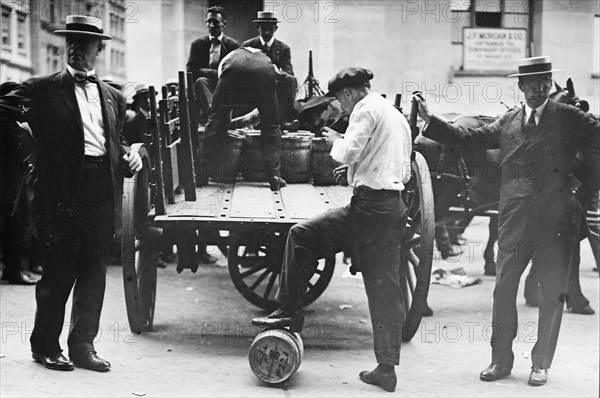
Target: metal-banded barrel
x: 275, y: 355
x: 295, y: 156
x: 322, y: 163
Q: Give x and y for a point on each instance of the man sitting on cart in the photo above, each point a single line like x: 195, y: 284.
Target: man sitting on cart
x: 376, y: 150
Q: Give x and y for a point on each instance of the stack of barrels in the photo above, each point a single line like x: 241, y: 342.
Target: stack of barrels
x: 303, y: 157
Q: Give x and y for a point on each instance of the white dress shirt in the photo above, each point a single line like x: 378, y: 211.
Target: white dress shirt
x: 90, y: 108
x: 538, y: 112
x: 268, y: 43
x: 215, y: 51
x: 377, y: 145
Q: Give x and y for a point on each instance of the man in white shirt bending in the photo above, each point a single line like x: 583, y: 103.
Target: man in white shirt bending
x: 376, y: 150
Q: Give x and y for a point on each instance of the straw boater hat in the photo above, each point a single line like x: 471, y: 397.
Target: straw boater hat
x: 535, y: 66
x: 266, y: 16
x: 83, y: 25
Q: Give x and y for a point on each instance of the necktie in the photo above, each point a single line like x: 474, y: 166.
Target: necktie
x: 531, y: 124
x: 215, y: 53
x: 266, y: 49
x: 79, y: 78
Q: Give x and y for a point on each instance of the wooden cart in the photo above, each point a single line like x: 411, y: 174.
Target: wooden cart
x: 246, y: 220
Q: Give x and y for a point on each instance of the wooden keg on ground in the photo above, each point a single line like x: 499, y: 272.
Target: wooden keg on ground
x: 322, y: 164
x: 275, y: 355
x: 296, y: 148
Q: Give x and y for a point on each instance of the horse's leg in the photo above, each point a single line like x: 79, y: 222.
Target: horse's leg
x: 488, y: 253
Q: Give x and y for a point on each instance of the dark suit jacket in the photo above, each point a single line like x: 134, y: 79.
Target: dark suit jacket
x: 279, y: 53
x: 135, y: 129
x: 534, y: 166
x: 53, y: 115
x: 200, y: 53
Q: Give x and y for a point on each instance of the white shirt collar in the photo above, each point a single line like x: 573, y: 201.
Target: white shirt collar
x: 74, y: 71
x: 269, y: 43
x: 538, y: 111
x: 220, y: 38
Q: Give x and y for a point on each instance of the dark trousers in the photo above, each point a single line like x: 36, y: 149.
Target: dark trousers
x: 287, y: 85
x: 76, y: 260
x: 205, y: 87
x: 372, y: 226
x: 214, y: 142
x: 528, y: 233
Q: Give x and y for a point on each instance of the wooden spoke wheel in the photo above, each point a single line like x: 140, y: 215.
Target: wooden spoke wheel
x: 255, y: 270
x: 139, y: 248
x: 417, y: 244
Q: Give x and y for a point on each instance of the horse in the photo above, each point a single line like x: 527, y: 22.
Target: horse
x: 469, y: 177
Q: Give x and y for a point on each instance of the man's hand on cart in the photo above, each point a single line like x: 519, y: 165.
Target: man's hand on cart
x: 340, y: 174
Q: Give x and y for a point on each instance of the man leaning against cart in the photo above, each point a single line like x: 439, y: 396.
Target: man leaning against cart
x: 376, y: 150
x: 76, y: 120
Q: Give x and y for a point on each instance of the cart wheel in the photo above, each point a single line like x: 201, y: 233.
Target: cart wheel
x: 417, y: 244
x: 255, y: 269
x: 139, y: 243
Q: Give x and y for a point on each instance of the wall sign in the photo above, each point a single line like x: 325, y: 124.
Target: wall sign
x: 486, y: 49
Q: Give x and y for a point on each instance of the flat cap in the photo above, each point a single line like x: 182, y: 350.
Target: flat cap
x: 352, y: 77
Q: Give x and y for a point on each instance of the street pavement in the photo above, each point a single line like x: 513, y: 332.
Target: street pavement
x: 202, y: 337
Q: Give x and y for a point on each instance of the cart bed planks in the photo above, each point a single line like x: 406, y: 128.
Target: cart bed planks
x: 253, y: 202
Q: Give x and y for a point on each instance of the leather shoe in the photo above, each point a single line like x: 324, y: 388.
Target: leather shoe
x: 36, y: 269
x: 281, y: 318
x: 451, y: 251
x: 91, y: 361
x: 54, y: 362
x: 494, y: 372
x: 20, y: 278
x: 538, y: 376
x: 277, y: 182
x: 386, y: 380
x: 582, y: 309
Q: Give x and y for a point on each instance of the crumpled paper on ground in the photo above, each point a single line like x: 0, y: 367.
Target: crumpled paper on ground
x: 455, y: 278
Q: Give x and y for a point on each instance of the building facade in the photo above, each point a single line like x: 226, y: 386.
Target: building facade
x: 29, y: 46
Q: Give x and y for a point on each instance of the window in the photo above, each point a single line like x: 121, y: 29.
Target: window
x: 499, y: 16
x: 596, y: 66
x: 21, y: 32
x: 6, y: 26
x: 52, y: 58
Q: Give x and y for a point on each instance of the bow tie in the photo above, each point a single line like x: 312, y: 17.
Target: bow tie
x: 214, y: 40
x: 79, y: 78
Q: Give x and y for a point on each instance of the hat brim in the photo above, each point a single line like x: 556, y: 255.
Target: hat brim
x: 267, y: 20
x: 64, y: 32
x: 143, y: 92
x: 535, y: 73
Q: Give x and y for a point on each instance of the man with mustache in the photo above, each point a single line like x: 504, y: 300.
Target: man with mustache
x: 540, y: 218
x: 77, y: 188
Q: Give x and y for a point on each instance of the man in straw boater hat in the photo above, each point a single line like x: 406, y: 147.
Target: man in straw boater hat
x: 375, y: 150
x: 540, y: 219
x: 281, y: 55
x: 76, y: 120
